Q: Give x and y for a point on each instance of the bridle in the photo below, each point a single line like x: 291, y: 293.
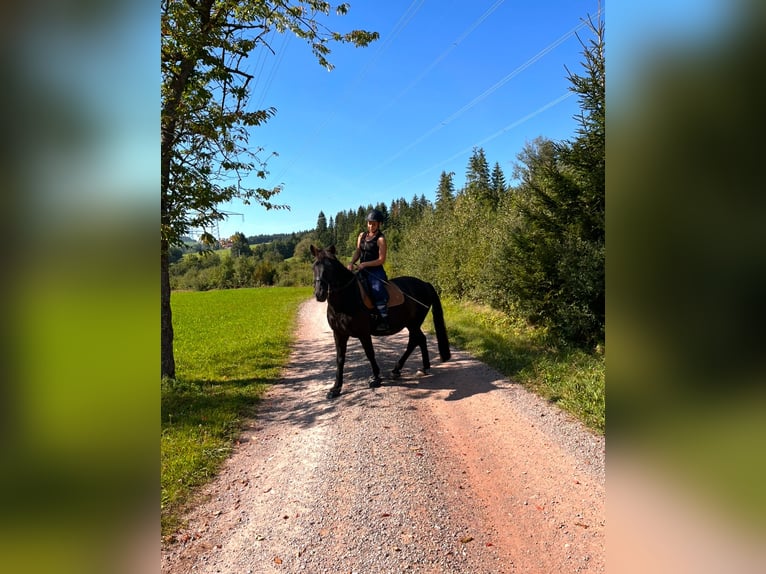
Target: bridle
x: 331, y: 287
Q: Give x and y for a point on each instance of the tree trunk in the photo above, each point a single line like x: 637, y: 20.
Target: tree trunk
x: 167, y: 358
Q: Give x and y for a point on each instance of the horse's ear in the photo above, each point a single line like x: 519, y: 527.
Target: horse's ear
x: 313, y: 250
x: 331, y: 249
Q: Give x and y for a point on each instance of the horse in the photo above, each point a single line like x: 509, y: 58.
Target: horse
x: 348, y: 315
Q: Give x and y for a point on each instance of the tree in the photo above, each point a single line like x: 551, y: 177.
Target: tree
x: 176, y: 253
x: 302, y: 249
x: 586, y: 155
x: 239, y: 245
x: 331, y: 232
x: 325, y: 231
x: 557, y: 250
x: 445, y: 193
x: 204, y: 147
x: 383, y: 208
x: 477, y: 176
x: 497, y: 183
x: 322, y: 231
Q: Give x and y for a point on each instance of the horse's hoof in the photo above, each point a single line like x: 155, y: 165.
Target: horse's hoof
x: 396, y: 373
x: 375, y: 381
x: 334, y: 393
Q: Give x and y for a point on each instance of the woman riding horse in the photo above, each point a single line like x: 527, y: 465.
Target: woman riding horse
x: 348, y: 316
x: 371, y: 249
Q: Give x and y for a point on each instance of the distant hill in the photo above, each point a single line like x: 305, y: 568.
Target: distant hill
x: 257, y: 239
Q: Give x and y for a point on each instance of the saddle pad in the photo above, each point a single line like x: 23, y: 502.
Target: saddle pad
x: 395, y: 295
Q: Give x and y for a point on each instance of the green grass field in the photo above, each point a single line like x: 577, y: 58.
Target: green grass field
x: 229, y: 345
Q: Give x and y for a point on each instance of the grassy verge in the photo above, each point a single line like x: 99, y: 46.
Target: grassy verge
x: 229, y: 345
x: 571, y: 378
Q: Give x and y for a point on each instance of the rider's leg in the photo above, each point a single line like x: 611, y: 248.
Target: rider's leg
x: 380, y: 295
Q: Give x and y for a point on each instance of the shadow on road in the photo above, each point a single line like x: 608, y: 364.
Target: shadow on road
x: 300, y: 396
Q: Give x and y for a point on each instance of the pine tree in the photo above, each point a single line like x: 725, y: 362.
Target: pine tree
x: 478, y: 169
x: 331, y: 232
x: 477, y: 177
x: 445, y: 193
x: 321, y: 223
x: 324, y: 237
x: 383, y: 208
x: 557, y: 250
x: 497, y: 183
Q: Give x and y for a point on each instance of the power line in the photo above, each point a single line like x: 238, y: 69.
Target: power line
x: 400, y: 25
x: 273, y: 71
x: 489, y: 91
x: 260, y: 61
x: 439, y: 58
x: 486, y: 93
x: 497, y: 134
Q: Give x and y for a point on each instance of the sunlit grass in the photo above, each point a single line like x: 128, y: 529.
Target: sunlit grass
x: 570, y: 378
x: 229, y: 345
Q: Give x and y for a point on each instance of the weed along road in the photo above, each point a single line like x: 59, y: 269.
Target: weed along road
x: 459, y: 471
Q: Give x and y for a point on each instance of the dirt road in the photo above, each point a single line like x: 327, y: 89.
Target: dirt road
x: 460, y: 471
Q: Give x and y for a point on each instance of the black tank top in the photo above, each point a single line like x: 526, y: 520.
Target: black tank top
x: 369, y: 247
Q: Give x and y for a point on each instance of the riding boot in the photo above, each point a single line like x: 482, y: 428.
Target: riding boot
x: 383, y: 326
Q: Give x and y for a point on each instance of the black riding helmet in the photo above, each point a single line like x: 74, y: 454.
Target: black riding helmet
x: 375, y: 215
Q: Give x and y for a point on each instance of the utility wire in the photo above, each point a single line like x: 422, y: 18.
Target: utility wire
x: 489, y: 91
x: 510, y: 126
x: 261, y: 58
x: 439, y: 58
x: 274, y: 68
x: 404, y: 20
x: 400, y: 25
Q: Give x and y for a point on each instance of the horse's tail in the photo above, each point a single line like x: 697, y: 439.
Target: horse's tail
x: 441, y: 328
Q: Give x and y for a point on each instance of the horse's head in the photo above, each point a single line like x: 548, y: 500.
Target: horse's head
x: 324, y: 271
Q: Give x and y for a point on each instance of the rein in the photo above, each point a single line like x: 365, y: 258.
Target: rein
x: 346, y: 286
x: 354, y: 277
x: 331, y: 288
x: 403, y: 292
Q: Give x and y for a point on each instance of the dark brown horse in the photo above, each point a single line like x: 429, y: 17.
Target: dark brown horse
x: 348, y: 315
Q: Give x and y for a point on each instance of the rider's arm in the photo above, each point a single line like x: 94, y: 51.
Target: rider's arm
x: 357, y: 252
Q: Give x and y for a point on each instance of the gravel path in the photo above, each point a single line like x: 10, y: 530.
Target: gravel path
x: 460, y: 471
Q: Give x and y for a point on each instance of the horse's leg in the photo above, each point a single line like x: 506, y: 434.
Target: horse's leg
x: 416, y: 338
x: 424, y: 351
x: 396, y: 372
x: 370, y: 352
x: 341, y: 342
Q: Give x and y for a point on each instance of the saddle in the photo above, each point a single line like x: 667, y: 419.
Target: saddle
x: 395, y: 295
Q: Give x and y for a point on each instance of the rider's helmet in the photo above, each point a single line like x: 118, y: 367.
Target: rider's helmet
x: 375, y: 215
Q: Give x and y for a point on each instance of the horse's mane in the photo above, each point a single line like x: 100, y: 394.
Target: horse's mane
x: 330, y: 254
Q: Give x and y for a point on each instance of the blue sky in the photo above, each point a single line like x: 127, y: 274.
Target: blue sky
x: 443, y: 77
